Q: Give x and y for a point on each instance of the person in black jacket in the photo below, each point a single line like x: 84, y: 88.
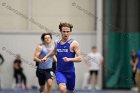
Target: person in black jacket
x: 18, y: 71
x: 2, y: 59
x: 1, y: 62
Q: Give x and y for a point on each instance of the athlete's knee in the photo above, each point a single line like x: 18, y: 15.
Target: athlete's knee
x: 49, y: 83
x: 62, y: 88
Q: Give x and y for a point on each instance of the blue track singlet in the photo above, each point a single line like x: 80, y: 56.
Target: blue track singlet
x: 65, y: 71
x: 64, y: 51
x: 48, y: 63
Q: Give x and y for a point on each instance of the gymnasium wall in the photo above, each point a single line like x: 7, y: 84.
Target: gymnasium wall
x: 36, y: 15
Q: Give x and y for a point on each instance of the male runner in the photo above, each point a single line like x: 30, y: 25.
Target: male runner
x: 65, y: 49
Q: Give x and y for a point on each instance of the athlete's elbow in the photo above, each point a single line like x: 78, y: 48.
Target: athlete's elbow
x: 34, y: 59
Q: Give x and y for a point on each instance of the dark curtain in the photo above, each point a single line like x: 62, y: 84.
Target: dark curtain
x: 123, y: 30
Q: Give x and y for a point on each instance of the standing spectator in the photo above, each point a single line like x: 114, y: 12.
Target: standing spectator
x: 95, y: 60
x: 133, y: 62
x: 18, y: 73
